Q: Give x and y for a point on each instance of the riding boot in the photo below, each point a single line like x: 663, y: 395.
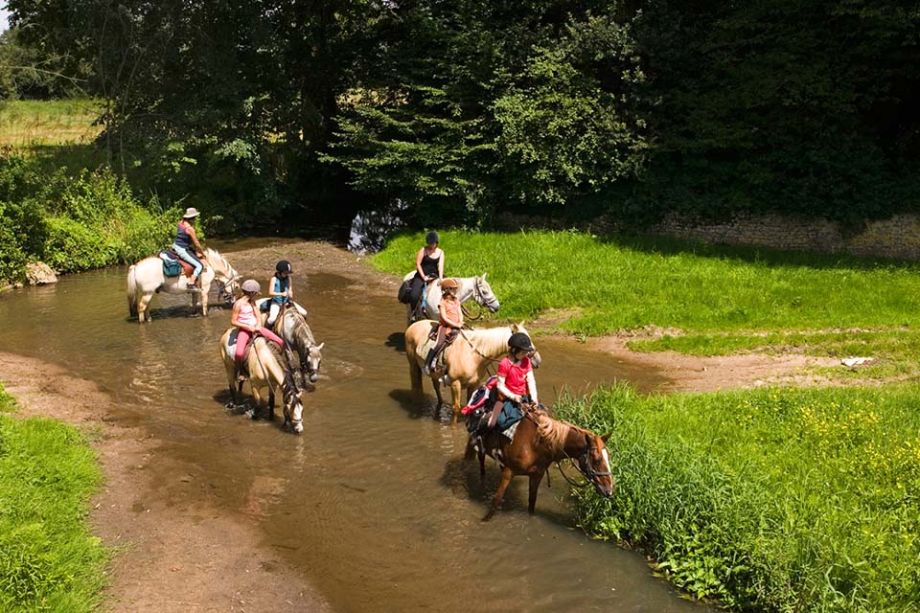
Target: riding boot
x: 429, y: 360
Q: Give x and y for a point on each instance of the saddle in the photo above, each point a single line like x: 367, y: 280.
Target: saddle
x: 173, y: 265
x: 449, y: 339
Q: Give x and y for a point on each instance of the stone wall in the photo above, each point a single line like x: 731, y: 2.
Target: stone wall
x: 896, y: 237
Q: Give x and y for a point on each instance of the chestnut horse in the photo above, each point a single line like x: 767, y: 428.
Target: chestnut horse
x: 467, y: 358
x: 539, y: 441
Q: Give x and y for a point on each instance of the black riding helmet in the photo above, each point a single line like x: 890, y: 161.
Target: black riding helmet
x: 283, y: 266
x: 431, y: 238
x: 520, y: 341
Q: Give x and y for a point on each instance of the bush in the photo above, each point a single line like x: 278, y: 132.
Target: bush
x: 777, y: 499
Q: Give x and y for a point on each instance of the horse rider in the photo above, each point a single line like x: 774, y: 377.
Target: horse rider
x: 516, y: 381
x: 244, y: 318
x: 450, y: 321
x: 186, y: 238
x: 280, y: 289
x: 429, y: 266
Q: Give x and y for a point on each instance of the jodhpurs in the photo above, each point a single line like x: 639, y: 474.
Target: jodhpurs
x: 188, y: 257
x: 242, y: 341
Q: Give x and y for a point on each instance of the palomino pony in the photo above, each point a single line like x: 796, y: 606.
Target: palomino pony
x: 476, y: 288
x: 269, y: 367
x: 294, y: 329
x: 540, y: 440
x: 467, y: 358
x: 146, y: 278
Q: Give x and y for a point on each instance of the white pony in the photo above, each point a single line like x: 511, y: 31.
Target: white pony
x: 476, y: 288
x: 146, y: 278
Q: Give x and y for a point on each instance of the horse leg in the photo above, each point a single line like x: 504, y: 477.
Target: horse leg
x: 271, y: 405
x: 257, y: 401
x: 204, y: 303
x: 500, y: 493
x: 142, y: 305
x: 482, y: 465
x: 437, y: 392
x: 532, y: 493
x: 455, y: 391
x: 230, y: 368
x: 415, y: 373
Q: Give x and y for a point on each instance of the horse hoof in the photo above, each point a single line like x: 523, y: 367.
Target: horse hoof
x: 489, y: 515
x: 251, y: 414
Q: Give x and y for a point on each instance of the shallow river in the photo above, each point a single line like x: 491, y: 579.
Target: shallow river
x: 373, y: 504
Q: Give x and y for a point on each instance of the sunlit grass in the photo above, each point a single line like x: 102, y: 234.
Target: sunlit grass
x: 772, y: 499
x: 25, y: 124
x: 49, y: 560
x: 723, y: 300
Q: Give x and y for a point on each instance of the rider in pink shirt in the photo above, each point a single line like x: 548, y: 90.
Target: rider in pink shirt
x: 246, y: 319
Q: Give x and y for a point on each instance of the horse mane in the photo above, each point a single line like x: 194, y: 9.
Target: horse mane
x: 490, y: 341
x: 554, y: 432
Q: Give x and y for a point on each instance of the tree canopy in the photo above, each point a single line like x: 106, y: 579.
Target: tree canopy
x: 261, y: 109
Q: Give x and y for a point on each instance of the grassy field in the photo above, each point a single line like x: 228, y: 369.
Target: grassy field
x: 28, y: 124
x: 712, y: 300
x: 774, y: 499
x: 49, y: 561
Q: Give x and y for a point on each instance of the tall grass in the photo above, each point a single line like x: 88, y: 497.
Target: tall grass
x: 49, y: 560
x: 776, y: 499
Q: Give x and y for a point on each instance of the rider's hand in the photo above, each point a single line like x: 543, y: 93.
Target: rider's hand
x: 518, y: 399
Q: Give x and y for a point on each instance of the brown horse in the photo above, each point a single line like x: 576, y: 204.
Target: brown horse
x: 467, y: 358
x: 539, y: 441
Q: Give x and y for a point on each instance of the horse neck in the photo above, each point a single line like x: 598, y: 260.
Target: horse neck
x: 467, y: 288
x: 217, y: 263
x: 491, y: 343
x: 300, y: 334
x: 574, y: 443
x: 269, y: 362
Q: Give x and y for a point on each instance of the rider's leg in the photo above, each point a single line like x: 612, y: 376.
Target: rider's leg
x: 191, y: 259
x: 273, y: 311
x: 242, y: 339
x: 268, y: 334
x: 433, y: 352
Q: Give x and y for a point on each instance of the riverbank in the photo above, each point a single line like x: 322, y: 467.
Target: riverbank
x: 170, y: 554
x: 777, y: 498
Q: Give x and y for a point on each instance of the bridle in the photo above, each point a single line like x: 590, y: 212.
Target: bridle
x: 584, y: 466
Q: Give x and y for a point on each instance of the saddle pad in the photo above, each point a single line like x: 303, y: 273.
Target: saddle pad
x: 171, y: 267
x: 509, y: 432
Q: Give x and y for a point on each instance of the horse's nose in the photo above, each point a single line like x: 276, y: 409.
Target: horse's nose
x: 313, y: 377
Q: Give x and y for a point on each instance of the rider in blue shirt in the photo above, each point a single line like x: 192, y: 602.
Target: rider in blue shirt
x: 280, y: 289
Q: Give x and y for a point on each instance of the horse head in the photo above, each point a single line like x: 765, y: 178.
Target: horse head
x: 484, y: 294
x: 594, y: 464
x: 224, y: 273
x: 293, y: 397
x: 310, y: 362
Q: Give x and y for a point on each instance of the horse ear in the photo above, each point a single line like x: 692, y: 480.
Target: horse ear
x: 484, y: 276
x: 605, y: 437
x: 320, y: 346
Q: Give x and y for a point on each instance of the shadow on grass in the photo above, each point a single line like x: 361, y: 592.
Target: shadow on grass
x: 774, y: 258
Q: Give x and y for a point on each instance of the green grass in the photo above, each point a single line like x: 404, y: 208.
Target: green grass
x: 725, y: 300
x: 49, y: 560
x: 25, y: 124
x: 776, y: 499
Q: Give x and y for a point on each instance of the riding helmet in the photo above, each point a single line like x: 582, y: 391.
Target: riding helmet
x: 251, y: 286
x: 283, y: 266
x: 521, y: 341
x: 432, y: 238
x: 447, y: 284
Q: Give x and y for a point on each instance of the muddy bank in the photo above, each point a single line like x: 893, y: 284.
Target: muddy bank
x: 171, y: 553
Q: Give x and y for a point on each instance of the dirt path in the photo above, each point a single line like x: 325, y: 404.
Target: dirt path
x: 687, y: 373
x: 171, y: 554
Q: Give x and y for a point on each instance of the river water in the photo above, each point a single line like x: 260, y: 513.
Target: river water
x: 373, y: 503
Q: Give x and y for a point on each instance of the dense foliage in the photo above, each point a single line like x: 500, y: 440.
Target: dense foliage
x: 49, y: 561
x: 774, y: 499
x: 73, y: 221
x: 270, y: 110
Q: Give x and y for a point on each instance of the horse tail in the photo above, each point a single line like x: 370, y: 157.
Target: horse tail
x: 132, y: 292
